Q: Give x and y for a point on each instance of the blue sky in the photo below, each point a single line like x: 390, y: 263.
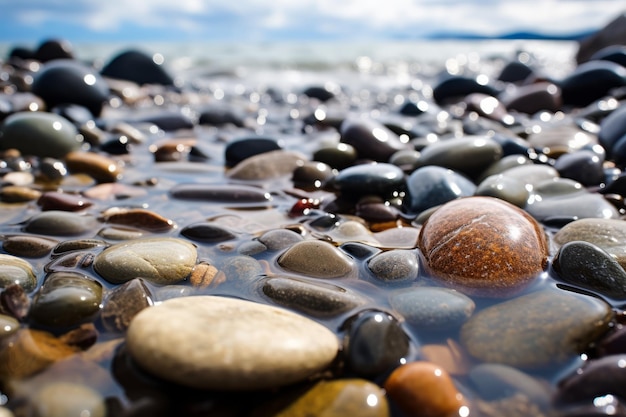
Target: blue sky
x: 237, y: 20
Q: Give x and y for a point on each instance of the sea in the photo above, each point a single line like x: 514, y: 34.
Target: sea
x: 393, y: 62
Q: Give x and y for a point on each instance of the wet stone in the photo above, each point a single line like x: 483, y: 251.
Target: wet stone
x: 339, y: 156
x: 507, y: 248
x: 432, y: 308
x: 312, y: 175
x: 62, y: 399
x: 612, y: 132
x: 138, y: 67
x: 559, y: 138
x: 207, y: 232
x: 378, y: 179
x: 536, y: 330
x: 279, y: 239
x: 424, y: 389
x: 8, y: 326
x: 40, y: 134
x: 534, y: 98
x: 28, y: 246
x: 66, y: 299
x: 591, y: 81
x: 71, y: 245
x: 18, y: 194
x: 250, y: 346
x: 332, y: 398
x: 317, y: 299
x: 317, y: 259
x: 14, y: 270
x: 607, y: 234
x: 158, y: 260
x: 240, y: 149
x: 505, y: 188
x: 124, y: 302
x: 468, y: 155
x: 238, y: 274
x: 240, y: 194
x: 583, y: 166
x: 54, y: 200
x: 15, y: 302
x: 120, y: 233
x: 431, y: 186
x: 59, y: 223
x: 99, y: 167
x: 375, y: 343
x: 70, y: 81
x: 394, y: 266
x: 137, y: 217
x: 371, y: 139
x: 585, y: 265
x: 453, y: 88
x: 267, y: 165
x: 597, y: 378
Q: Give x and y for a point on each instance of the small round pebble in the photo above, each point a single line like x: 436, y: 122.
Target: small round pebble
x: 14, y: 270
x: 316, y: 258
x: 249, y: 345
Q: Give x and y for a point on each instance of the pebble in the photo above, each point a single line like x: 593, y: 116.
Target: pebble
x: 14, y: 270
x: 124, y: 302
x: 28, y: 246
x: 70, y: 81
x: 207, y: 232
x: 332, y: 398
x: 138, y: 67
x: 243, y: 148
x: 238, y: 194
x: 66, y: 299
x: 591, y: 81
x: 452, y: 88
x: 423, y: 388
x: 40, y: 134
x: 375, y: 343
x: 607, y: 234
x: 507, y: 248
x: 537, y: 329
x: 584, y: 166
x: 585, y: 265
x: 380, y: 179
x: 138, y: 218
x: 160, y: 260
x: 250, y: 346
x: 339, y: 156
x: 612, y: 132
x: 279, y: 239
x: 65, y: 399
x: 432, y: 308
x: 267, y: 165
x: 468, y: 155
x: 60, y: 223
x: 534, y: 98
x: 99, y: 167
x: 8, y: 326
x: 394, y: 266
x: 431, y: 186
x: 317, y: 259
x: 370, y: 139
x: 317, y: 299
x: 511, y: 190
x: 54, y: 200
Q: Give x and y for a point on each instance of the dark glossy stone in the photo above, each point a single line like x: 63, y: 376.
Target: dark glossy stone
x: 124, y: 302
x: 374, y: 343
x: 413, y: 108
x: 321, y: 93
x: 138, y: 67
x: 613, y: 53
x: 371, y: 139
x: 40, y: 134
x: 116, y: 145
x: 431, y: 186
x: 613, y: 130
x: 318, y: 299
x: 75, y: 113
x: 432, y: 308
x: 71, y: 245
x: 583, y: 166
x: 220, y: 193
x: 312, y: 175
x: 380, y: 179
x: 587, y: 266
x: 67, y: 81
x: 240, y: 149
x: 454, y: 88
x: 591, y: 81
x: 54, y: 200
x: 359, y: 250
x: 596, y: 378
x: 220, y: 117
x: 28, y: 246
x: 468, y: 155
x: 483, y: 246
x: 339, y: 156
x: 66, y: 299
x: 169, y: 121
x: 515, y: 72
x: 533, y: 98
x: 207, y: 232
x: 51, y: 49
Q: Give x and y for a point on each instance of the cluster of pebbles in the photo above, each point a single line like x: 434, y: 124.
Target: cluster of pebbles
x: 450, y: 247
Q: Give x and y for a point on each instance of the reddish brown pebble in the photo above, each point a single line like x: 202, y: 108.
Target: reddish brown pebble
x: 99, y: 167
x: 140, y: 218
x: 483, y: 246
x: 426, y: 390
x: 54, y: 200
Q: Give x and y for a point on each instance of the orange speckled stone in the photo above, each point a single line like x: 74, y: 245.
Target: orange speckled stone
x: 424, y: 389
x: 483, y: 246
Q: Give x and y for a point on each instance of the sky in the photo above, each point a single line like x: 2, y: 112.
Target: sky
x: 261, y: 20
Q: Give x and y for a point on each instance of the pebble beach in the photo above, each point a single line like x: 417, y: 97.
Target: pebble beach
x: 433, y: 238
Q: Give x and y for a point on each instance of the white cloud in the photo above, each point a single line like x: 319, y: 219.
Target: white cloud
x: 344, y: 18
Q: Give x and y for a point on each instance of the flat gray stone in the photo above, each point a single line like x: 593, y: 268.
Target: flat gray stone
x: 210, y: 342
